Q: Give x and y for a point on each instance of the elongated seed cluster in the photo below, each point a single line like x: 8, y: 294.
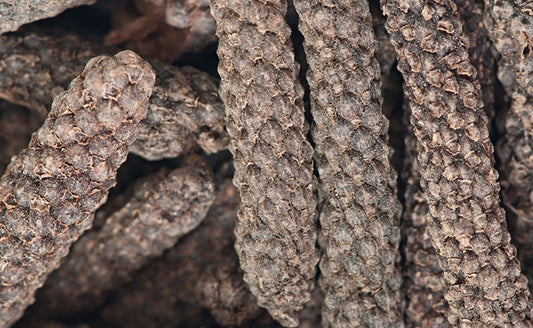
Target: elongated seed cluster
x: 308, y: 224
x: 51, y: 189
x: 511, y: 29
x: 467, y: 228
x: 163, y: 209
x: 360, y: 214
x: 425, y: 306
x: 15, y: 13
x: 276, y: 231
x: 184, y: 111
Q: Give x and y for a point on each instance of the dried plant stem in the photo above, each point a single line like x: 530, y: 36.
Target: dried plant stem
x: 276, y: 231
x: 164, y: 208
x: 184, y: 110
x: 51, y: 190
x: 467, y: 224
x: 511, y: 29
x: 360, y: 215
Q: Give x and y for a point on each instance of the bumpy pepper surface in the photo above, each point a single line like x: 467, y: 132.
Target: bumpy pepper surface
x: 51, y: 189
x: 359, y: 218
x: 467, y: 224
x: 276, y: 230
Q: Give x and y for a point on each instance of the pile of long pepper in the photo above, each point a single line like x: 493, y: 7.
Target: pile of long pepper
x: 349, y: 163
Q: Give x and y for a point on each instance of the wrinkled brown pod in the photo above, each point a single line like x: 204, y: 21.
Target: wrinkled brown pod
x: 467, y: 224
x: 51, y: 189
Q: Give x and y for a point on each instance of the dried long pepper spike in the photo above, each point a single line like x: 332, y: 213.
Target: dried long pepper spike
x: 52, y: 188
x: 422, y: 282
x: 511, y: 28
x: 467, y: 224
x: 479, y: 48
x: 276, y: 230
x: 426, y: 306
x: 163, y: 209
x: 184, y: 110
x: 162, y: 294
x: 360, y: 215
x: 15, y: 13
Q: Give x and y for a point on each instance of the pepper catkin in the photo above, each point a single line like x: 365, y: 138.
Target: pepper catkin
x: 511, y: 29
x: 163, y: 209
x: 184, y: 109
x: 422, y: 283
x: 163, y: 293
x: 467, y: 224
x: 360, y: 216
x: 51, y: 189
x: 276, y: 230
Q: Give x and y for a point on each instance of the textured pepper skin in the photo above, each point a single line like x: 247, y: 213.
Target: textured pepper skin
x: 16, y: 13
x: 511, y: 30
x: 359, y: 218
x: 276, y: 230
x: 481, y: 273
x: 167, y: 206
x: 51, y: 189
x: 184, y: 110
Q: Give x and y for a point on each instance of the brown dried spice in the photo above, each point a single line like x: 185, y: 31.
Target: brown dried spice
x: 467, y: 225
x: 479, y: 49
x: 360, y: 215
x: 163, y: 209
x: 162, y: 294
x: 511, y: 29
x: 426, y: 306
x: 276, y: 231
x: 221, y: 289
x: 51, y: 189
x: 422, y: 282
x: 184, y: 110
x: 15, y: 13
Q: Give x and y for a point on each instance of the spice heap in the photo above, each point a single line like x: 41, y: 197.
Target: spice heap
x: 281, y: 189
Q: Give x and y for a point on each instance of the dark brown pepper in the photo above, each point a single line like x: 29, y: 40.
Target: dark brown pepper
x: 422, y: 274
x: 184, y: 110
x: 276, y: 230
x: 467, y: 225
x: 360, y: 216
x: 162, y: 294
x: 15, y: 13
x: 162, y: 210
x: 51, y: 189
x: 511, y: 29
